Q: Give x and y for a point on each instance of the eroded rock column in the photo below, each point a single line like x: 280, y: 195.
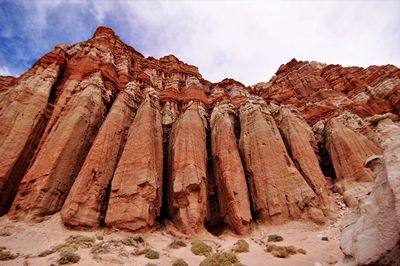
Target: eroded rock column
x: 300, y: 141
x: 46, y: 184
x: 83, y: 206
x: 22, y: 120
x: 136, y: 189
x: 278, y: 190
x: 187, y: 197
x: 348, y: 151
x: 231, y: 181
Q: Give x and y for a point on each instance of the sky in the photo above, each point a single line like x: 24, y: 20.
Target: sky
x: 244, y: 40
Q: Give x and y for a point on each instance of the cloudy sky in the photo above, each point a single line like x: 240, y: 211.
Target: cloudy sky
x: 245, y: 40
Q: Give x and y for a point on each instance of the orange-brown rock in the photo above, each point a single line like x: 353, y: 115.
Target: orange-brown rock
x: 86, y: 202
x: 231, y: 182
x: 45, y: 186
x: 279, y: 192
x: 23, y: 111
x: 301, y: 146
x: 52, y: 131
x: 187, y: 197
x: 136, y: 189
x: 348, y: 151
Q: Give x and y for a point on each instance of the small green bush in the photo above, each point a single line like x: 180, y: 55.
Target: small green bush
x: 6, y: 255
x: 225, y: 259
x: 99, y: 236
x: 199, y: 248
x: 291, y: 249
x: 275, y: 238
x: 324, y: 238
x: 132, y: 240
x: 180, y: 262
x: 80, y: 241
x: 241, y: 246
x: 177, y: 244
x: 152, y: 254
x: 68, y: 257
x: 46, y: 252
x: 301, y: 251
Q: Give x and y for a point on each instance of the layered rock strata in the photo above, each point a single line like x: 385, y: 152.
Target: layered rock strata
x: 70, y: 126
x: 23, y: 115
x: 233, y: 195
x: 88, y: 197
x: 348, y: 151
x: 301, y: 145
x: 45, y: 186
x: 279, y: 192
x: 136, y: 189
x: 187, y: 197
x: 372, y: 236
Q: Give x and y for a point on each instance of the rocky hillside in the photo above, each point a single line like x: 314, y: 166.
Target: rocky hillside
x: 110, y: 138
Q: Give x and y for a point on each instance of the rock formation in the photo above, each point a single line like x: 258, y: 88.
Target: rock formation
x: 136, y: 189
x: 353, y: 179
x: 88, y: 195
x: 187, y: 197
x: 372, y: 235
x: 231, y: 181
x: 112, y: 138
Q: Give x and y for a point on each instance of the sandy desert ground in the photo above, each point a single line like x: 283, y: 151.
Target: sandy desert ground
x: 28, y: 240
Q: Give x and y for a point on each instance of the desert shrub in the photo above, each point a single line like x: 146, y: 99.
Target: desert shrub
x: 132, y: 240
x: 46, y: 252
x: 180, y: 262
x: 152, y: 254
x: 99, y: 236
x: 241, y: 246
x: 225, y: 259
x: 79, y: 241
x: 291, y: 249
x: 301, y: 251
x: 199, y: 248
x: 280, y: 253
x: 99, y: 248
x: 6, y: 255
x: 177, y: 244
x: 324, y: 238
x: 151, y: 264
x: 68, y: 257
x: 275, y: 238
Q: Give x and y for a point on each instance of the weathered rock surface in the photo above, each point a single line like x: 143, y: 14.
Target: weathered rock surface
x: 187, y: 197
x: 136, y: 189
x: 279, y: 192
x: 376, y: 229
x: 233, y: 195
x: 65, y: 123
x: 301, y: 146
x: 348, y: 151
x: 46, y: 184
x: 85, y: 203
x: 23, y: 111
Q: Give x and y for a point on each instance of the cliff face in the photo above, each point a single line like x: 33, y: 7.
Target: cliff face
x: 111, y: 138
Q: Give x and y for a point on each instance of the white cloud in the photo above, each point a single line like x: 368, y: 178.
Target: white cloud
x: 5, y: 71
x: 249, y: 40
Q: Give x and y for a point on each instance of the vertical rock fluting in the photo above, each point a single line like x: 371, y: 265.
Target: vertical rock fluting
x: 187, y: 198
x: 300, y: 141
x: 348, y: 151
x: 83, y: 206
x: 279, y: 192
x: 231, y: 181
x: 46, y: 184
x: 23, y: 111
x: 136, y: 189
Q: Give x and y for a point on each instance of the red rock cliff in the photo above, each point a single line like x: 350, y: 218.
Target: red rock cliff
x: 111, y: 138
